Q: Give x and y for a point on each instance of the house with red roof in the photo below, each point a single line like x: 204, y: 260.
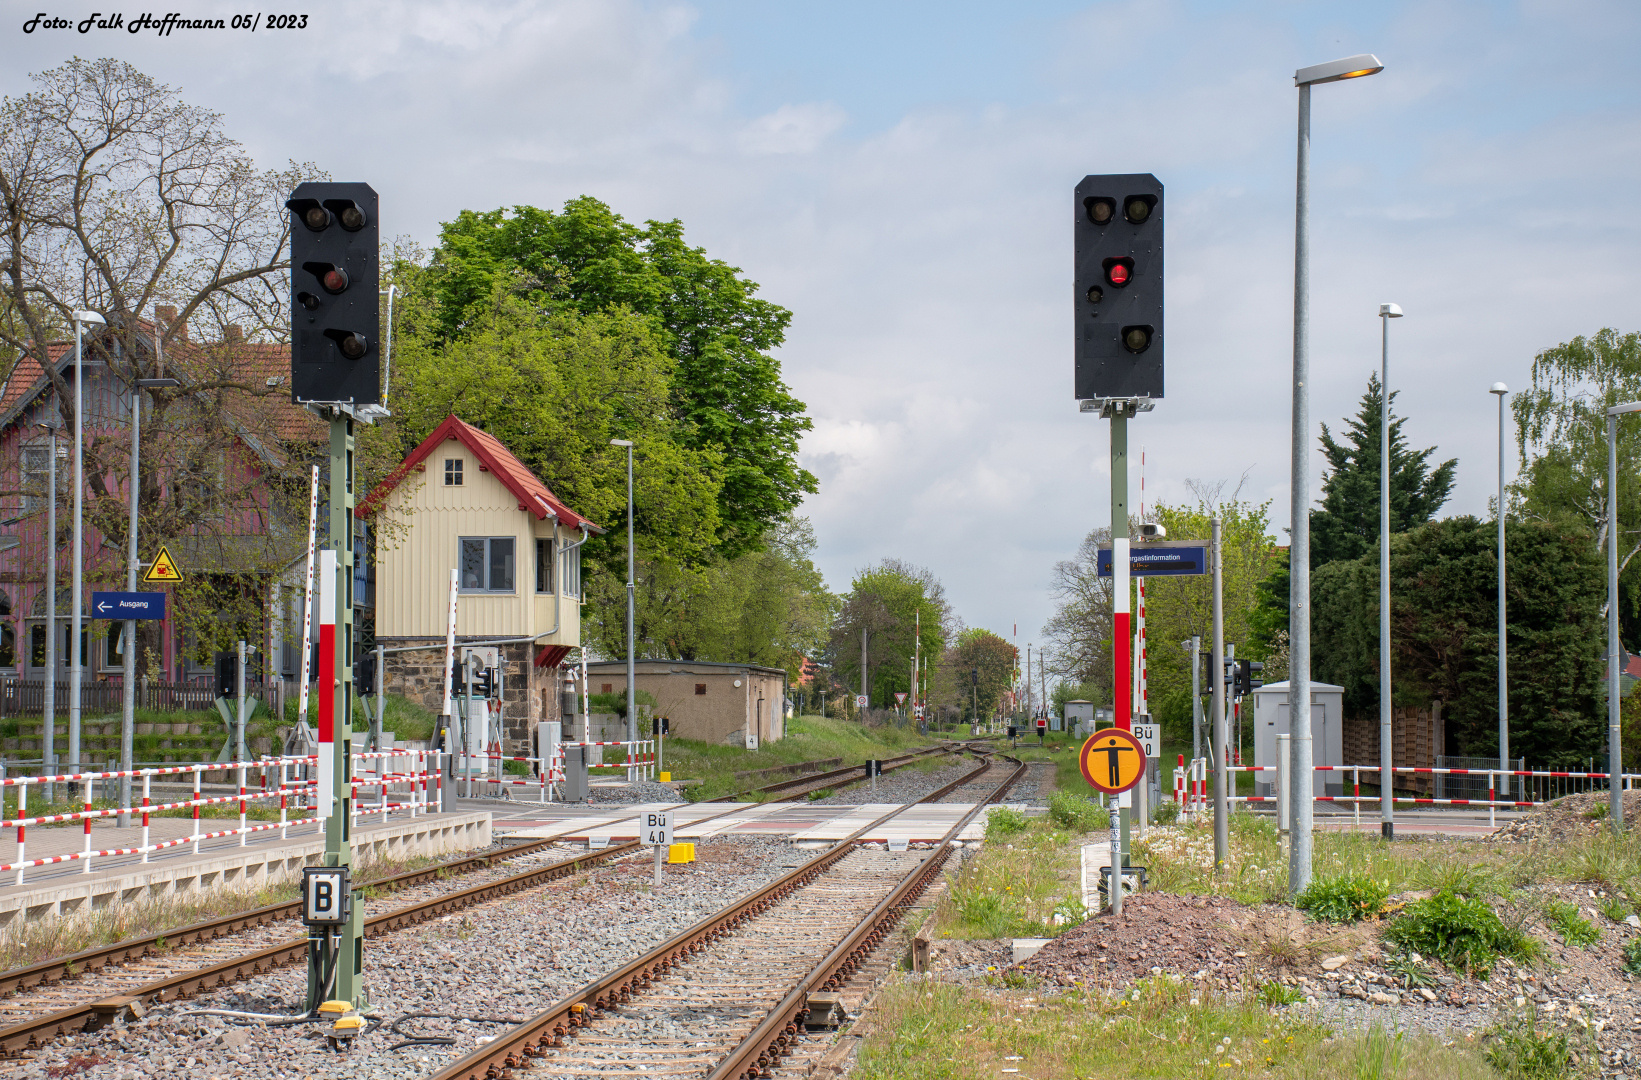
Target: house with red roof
x: 212, y: 448
x: 462, y: 501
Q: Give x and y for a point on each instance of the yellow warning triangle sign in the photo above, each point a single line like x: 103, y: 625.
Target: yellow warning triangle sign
x: 164, y: 570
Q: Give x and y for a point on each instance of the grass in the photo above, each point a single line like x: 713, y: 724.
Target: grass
x: 935, y: 1031
x: 1575, y: 929
x: 808, y: 738
x: 1026, y: 882
x: 1517, y: 1049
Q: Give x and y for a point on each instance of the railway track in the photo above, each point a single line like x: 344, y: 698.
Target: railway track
x: 728, y: 997
x: 798, y: 787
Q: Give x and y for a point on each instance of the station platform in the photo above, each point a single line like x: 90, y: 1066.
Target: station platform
x: 221, y: 863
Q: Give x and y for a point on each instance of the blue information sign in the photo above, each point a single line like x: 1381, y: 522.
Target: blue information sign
x: 128, y: 605
x: 1157, y: 560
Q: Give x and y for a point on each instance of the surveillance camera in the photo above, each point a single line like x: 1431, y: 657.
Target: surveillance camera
x: 1151, y: 530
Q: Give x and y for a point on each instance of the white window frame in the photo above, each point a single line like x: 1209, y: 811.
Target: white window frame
x: 485, y: 573
x: 569, y: 569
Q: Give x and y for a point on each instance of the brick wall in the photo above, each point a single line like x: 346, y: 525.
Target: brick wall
x: 1416, y: 739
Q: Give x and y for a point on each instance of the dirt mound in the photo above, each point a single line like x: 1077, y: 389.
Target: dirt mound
x: 1216, y: 941
x: 1568, y: 818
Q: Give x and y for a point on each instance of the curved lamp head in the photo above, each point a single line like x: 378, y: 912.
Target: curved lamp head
x: 1390, y: 311
x: 620, y: 442
x: 1351, y: 67
x: 90, y: 317
x: 1498, y: 388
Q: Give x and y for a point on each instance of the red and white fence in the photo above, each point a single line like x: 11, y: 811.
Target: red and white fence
x: 488, y: 769
x: 417, y: 789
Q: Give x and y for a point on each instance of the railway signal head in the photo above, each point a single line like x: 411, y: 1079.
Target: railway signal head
x: 335, y: 302
x: 1117, y: 239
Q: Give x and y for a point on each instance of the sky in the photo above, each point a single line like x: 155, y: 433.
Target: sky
x: 900, y: 177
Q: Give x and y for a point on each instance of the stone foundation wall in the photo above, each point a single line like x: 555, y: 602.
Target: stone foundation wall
x: 529, y: 694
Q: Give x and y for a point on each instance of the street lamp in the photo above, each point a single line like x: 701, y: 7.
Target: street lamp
x: 1501, y: 390
x: 49, y: 728
x: 1299, y: 553
x: 632, y: 680
x: 1387, y: 779
x: 1615, y: 798
x: 76, y: 650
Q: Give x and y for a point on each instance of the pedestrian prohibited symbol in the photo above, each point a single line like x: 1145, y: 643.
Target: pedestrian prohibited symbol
x: 1112, y: 760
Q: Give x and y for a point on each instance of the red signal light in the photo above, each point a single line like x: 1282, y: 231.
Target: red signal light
x: 335, y: 280
x: 1119, y: 271
x: 1119, y: 274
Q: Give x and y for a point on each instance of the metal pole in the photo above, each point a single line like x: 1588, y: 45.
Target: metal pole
x: 864, y: 693
x: 1504, y: 689
x: 49, y: 728
x: 381, y: 680
x: 1387, y: 778
x: 1615, y: 797
x: 1299, y: 552
x: 74, y: 650
x: 239, y: 701
x: 632, y: 677
x: 128, y: 709
x: 1120, y: 628
x: 1216, y: 664
x: 1196, y: 697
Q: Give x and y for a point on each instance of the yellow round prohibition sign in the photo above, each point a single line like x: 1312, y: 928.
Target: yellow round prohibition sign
x: 1112, y: 760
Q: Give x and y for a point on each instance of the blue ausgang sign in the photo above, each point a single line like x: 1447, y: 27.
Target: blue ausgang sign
x: 128, y: 605
x: 1155, y: 560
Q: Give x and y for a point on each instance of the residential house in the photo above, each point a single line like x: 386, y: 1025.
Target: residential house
x: 461, y: 500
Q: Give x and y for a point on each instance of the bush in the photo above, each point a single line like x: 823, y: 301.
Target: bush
x: 1168, y: 812
x: 1575, y: 930
x: 1003, y: 822
x: 1346, y: 899
x: 1463, y: 932
x: 1077, y: 812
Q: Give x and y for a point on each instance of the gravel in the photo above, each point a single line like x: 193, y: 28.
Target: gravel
x: 640, y: 791
x: 904, y: 785
x: 508, y: 958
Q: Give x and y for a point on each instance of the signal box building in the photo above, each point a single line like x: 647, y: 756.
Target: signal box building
x: 462, y: 501
x: 740, y: 704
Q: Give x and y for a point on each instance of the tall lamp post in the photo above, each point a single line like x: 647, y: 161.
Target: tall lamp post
x: 632, y: 678
x: 1387, y: 778
x: 1615, y: 770
x: 1500, y: 390
x: 1299, y: 554
x: 49, y: 728
x: 75, y: 647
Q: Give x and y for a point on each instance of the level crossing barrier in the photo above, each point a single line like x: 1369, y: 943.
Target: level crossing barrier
x: 418, y: 789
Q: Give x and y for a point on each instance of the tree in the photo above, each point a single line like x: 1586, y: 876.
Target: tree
x: 1561, y: 432
x: 1444, y: 635
x: 726, y: 388
x: 1079, y: 632
x: 1348, y: 522
x: 896, y: 604
x: 994, y: 659
x: 1179, y: 608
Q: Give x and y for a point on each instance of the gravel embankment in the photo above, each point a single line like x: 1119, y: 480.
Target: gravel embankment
x: 904, y: 785
x: 509, y: 958
x: 641, y: 791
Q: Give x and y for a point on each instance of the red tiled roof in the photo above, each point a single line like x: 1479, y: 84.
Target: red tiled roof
x: 532, y: 494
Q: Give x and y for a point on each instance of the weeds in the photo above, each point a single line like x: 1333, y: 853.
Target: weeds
x: 1614, y: 908
x: 1076, y: 812
x: 1518, y: 1050
x: 1632, y: 956
x: 1380, y: 1055
x: 1344, y: 899
x: 1463, y: 932
x: 1003, y: 822
x: 1273, y: 994
x: 1411, y: 969
x: 1575, y: 929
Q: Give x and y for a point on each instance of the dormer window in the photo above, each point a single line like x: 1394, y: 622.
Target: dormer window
x: 452, y: 472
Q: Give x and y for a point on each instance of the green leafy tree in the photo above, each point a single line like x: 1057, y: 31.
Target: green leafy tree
x: 1079, y: 632
x: 1348, y: 522
x: 897, y: 605
x: 1444, y: 634
x: 726, y: 388
x: 995, y: 660
x: 1561, y: 431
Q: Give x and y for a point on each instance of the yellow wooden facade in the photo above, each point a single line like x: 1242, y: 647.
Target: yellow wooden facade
x: 420, y: 544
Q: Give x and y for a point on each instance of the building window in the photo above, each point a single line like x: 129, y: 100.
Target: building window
x: 452, y: 472
x: 701, y: 688
x: 487, y: 564
x: 571, y: 558
x: 544, y: 564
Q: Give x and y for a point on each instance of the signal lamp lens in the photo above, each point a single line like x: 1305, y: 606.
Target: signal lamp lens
x: 1136, y: 339
x: 335, y: 280
x: 1118, y: 274
x: 1137, y: 210
x: 1100, y: 211
x: 1095, y: 294
x: 353, y: 218
x: 316, y: 218
x: 307, y: 300
x: 353, y: 346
